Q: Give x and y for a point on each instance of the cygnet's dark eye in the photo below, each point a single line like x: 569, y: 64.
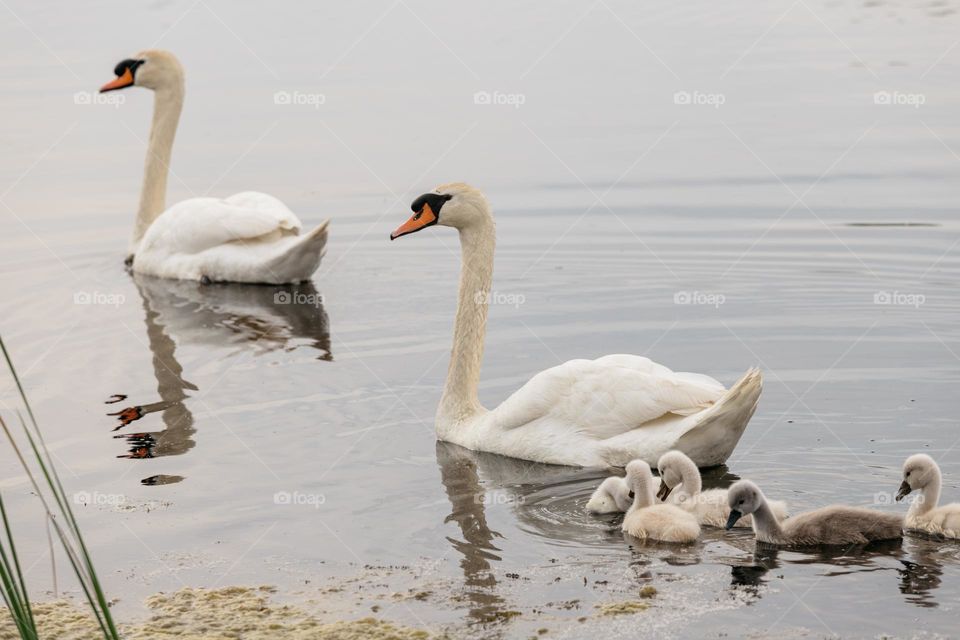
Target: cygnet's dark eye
x: 632, y: 495
x: 908, y: 474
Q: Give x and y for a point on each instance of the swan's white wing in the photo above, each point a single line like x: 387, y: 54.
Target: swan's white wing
x: 606, y: 397
x: 266, y: 204
x: 198, y: 224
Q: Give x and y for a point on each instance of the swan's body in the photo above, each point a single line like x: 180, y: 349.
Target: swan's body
x: 589, y: 413
x: 681, y: 484
x: 648, y: 519
x: 833, y: 525
x: 921, y: 472
x: 248, y: 237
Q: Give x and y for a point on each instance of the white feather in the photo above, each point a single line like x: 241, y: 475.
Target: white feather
x: 248, y: 237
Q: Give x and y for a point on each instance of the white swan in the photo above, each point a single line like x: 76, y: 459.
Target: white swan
x: 248, y: 237
x: 836, y: 524
x: 612, y: 496
x: 648, y: 519
x: 680, y: 482
x: 588, y: 413
x: 921, y: 472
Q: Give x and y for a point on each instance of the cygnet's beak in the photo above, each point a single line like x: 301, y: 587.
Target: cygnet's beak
x: 905, y: 490
x: 664, y: 490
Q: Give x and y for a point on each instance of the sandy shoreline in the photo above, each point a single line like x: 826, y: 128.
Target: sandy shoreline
x: 213, y: 614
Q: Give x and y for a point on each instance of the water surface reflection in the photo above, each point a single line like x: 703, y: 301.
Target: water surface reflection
x: 261, y: 319
x: 461, y: 481
x: 917, y: 564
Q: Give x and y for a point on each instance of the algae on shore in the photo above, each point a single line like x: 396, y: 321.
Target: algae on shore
x: 622, y: 608
x: 213, y: 614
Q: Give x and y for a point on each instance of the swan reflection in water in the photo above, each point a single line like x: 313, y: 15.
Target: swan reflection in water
x: 919, y: 572
x: 260, y: 318
x: 922, y: 572
x: 548, y: 502
x: 461, y: 481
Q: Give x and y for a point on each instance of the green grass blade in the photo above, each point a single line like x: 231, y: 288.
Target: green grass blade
x: 84, y: 569
x: 21, y: 583
x: 89, y: 574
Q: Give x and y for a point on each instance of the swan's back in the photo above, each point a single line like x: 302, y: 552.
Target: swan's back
x: 947, y: 518
x: 606, y: 397
x: 198, y: 224
x: 942, y: 521
x: 841, y: 525
x: 662, y: 522
x: 248, y: 237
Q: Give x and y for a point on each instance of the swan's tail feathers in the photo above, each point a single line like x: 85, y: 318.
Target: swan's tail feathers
x: 717, y: 430
x: 302, y: 258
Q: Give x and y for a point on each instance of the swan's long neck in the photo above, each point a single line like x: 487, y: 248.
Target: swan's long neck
x: 765, y: 525
x: 929, y: 496
x: 460, y: 400
x: 643, y: 495
x: 167, y: 104
x: 690, y: 479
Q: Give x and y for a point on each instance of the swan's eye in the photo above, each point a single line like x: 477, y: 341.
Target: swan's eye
x: 419, y: 213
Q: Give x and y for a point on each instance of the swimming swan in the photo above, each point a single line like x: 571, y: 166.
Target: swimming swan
x: 648, y: 519
x: 587, y: 413
x: 680, y: 483
x: 836, y: 524
x: 614, y: 496
x: 248, y: 237
x: 920, y: 472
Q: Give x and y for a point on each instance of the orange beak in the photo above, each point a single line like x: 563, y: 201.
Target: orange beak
x: 423, y: 218
x: 123, y: 81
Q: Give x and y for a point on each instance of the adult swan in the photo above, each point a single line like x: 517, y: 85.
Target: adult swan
x: 589, y: 413
x: 248, y: 237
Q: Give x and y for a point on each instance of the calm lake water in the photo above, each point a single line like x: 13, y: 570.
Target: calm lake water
x: 713, y: 186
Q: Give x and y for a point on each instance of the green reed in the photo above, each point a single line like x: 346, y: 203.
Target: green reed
x: 60, y: 516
